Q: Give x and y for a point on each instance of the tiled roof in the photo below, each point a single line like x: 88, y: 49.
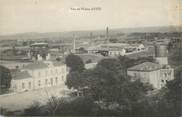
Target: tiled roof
x: 90, y: 65
x: 146, y: 66
x: 21, y: 75
x: 36, y: 65
x: 57, y: 63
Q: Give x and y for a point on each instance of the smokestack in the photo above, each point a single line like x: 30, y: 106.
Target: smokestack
x: 161, y: 54
x: 74, y: 43
x: 91, y: 38
x: 107, y: 34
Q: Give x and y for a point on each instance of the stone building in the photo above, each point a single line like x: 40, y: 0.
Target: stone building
x: 39, y: 74
x: 152, y: 73
x: 158, y: 73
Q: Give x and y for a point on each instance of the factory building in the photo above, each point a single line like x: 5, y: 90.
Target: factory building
x: 157, y: 74
x: 116, y: 49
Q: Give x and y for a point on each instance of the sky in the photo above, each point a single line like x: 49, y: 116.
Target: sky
x: 19, y: 16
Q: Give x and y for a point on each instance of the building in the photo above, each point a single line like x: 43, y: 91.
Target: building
x: 152, y: 73
x: 161, y: 53
x: 39, y: 51
x: 176, y: 42
x: 116, y: 49
x: 158, y: 73
x: 90, y: 65
x: 39, y: 74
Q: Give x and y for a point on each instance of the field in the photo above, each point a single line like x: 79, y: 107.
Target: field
x: 18, y: 101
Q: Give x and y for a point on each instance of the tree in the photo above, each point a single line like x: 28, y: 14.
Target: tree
x: 76, y: 107
x: 173, y: 96
x: 113, y: 40
x: 74, y: 80
x: 167, y: 102
x: 82, y: 106
x: 89, y: 61
x: 75, y: 63
x: 53, y: 105
x: 125, y: 62
x: 34, y: 110
x: 106, y: 83
x: 5, y: 79
x: 82, y: 50
x: 111, y: 64
x: 100, y: 82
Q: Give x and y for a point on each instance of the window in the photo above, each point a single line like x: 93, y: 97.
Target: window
x: 15, y: 87
x: 63, y: 70
x: 46, y: 73
x: 56, y: 80
x: 51, y: 81
x: 62, y: 78
x: 165, y: 74
x: 29, y: 85
x: 39, y: 83
x: 46, y: 81
x: 23, y: 85
x: 39, y: 74
x: 56, y: 71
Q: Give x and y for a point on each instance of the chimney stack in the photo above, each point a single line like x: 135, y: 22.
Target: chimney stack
x: 161, y: 54
x: 107, y: 34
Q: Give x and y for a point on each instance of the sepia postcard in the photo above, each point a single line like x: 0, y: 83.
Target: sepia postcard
x: 91, y: 58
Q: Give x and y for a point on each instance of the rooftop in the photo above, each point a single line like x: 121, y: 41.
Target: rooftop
x: 40, y: 44
x: 57, y: 63
x: 145, y: 67
x: 115, y: 46
x: 21, y: 75
x: 36, y: 65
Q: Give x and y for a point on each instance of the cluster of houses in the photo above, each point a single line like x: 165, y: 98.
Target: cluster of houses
x: 43, y: 72
x: 116, y: 49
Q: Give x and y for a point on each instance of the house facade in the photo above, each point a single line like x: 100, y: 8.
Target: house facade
x: 39, y: 74
x: 116, y: 49
x: 152, y: 73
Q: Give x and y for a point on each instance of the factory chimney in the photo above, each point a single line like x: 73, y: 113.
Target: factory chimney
x: 74, y: 43
x: 161, y: 54
x: 107, y: 34
x: 91, y: 38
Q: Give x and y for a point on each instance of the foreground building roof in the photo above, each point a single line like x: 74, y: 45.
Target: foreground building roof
x: 21, y: 75
x: 36, y: 65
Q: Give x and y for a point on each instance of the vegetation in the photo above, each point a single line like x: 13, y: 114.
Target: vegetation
x: 5, y: 79
x: 107, y: 83
x: 107, y: 90
x: 175, y: 56
x: 75, y: 63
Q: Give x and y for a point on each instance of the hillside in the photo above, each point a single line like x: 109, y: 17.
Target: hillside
x: 55, y: 35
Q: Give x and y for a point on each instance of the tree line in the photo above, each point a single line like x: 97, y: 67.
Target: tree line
x: 107, y: 90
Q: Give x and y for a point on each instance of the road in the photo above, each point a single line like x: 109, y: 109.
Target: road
x: 18, y: 101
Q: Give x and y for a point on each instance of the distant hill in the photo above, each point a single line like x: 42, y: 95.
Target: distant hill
x: 57, y: 35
